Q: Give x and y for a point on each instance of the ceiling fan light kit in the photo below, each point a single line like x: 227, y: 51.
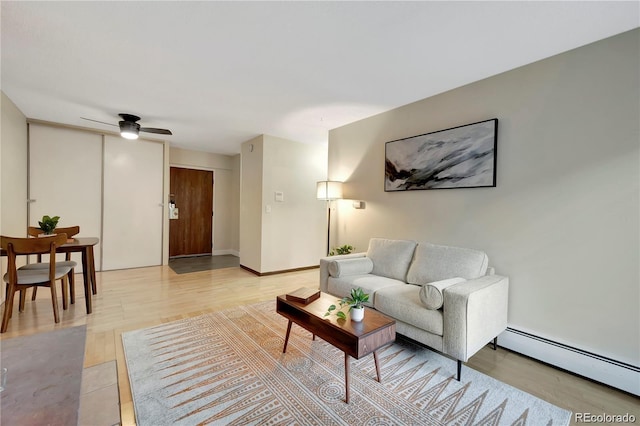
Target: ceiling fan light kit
x: 130, y: 129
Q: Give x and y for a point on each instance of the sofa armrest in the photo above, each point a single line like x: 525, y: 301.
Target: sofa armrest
x: 475, y: 312
x: 324, y: 267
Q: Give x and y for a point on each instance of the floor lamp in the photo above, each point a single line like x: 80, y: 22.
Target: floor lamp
x: 329, y: 190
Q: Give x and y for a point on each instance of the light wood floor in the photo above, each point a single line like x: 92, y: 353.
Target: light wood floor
x: 138, y: 298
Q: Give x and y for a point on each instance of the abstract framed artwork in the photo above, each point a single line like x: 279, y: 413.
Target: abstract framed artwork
x: 459, y: 157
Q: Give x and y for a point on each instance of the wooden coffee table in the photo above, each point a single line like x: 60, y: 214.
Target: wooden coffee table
x: 356, y: 339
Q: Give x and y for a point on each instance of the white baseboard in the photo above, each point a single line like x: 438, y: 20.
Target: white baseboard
x: 221, y: 252
x: 601, y: 369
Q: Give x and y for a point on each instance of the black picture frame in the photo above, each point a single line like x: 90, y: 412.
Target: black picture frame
x: 458, y: 157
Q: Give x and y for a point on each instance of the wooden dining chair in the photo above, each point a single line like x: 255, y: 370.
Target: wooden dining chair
x: 19, y: 280
x: 71, y: 232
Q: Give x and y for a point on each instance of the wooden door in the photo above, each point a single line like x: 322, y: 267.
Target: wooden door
x: 191, y: 233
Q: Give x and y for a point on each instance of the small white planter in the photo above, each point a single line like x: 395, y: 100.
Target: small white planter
x: 357, y: 314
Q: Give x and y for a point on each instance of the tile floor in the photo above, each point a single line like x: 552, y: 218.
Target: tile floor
x: 99, y: 398
x: 185, y: 265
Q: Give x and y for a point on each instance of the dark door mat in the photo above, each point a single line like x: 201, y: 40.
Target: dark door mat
x: 185, y: 265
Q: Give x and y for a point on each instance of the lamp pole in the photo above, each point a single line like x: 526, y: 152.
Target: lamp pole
x: 328, y: 226
x: 329, y: 190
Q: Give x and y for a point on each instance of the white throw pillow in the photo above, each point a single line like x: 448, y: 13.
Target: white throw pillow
x: 431, y: 294
x: 356, y: 266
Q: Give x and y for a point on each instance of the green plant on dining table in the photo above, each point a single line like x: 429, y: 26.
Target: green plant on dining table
x: 48, y: 224
x: 354, y: 300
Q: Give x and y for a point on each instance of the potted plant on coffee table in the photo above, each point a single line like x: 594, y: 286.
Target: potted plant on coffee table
x: 355, y: 302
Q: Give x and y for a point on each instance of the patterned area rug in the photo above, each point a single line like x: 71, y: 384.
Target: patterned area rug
x: 228, y: 368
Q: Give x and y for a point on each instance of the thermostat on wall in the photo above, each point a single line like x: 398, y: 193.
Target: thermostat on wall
x: 279, y: 196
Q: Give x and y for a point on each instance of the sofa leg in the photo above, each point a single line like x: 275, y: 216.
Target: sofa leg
x: 495, y: 343
x: 459, y: 370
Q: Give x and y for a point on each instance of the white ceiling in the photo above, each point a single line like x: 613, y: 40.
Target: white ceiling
x: 220, y: 73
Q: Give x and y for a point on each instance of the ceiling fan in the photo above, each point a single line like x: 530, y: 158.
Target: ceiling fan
x: 129, y: 126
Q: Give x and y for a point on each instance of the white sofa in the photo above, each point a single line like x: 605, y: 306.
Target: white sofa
x: 447, y: 298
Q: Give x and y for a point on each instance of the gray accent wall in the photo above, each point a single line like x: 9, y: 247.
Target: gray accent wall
x: 564, y: 220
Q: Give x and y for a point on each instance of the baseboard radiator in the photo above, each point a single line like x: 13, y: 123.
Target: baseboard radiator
x: 601, y: 369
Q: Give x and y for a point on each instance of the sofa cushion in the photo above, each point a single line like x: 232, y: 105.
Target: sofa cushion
x: 356, y: 266
x: 391, y: 258
x: 435, y: 263
x: 369, y: 283
x: 431, y: 294
x: 403, y: 303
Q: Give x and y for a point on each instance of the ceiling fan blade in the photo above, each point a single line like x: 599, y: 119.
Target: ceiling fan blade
x: 97, y: 121
x: 154, y: 130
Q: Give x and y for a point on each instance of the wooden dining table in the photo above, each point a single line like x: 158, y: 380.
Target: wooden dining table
x: 85, y: 246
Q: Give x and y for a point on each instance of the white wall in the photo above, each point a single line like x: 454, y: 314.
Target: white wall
x: 292, y: 233
x: 563, y: 221
x: 13, y: 173
x: 233, y: 197
x: 251, y: 161
x: 281, y: 235
x: 226, y: 202
x: 13, y: 170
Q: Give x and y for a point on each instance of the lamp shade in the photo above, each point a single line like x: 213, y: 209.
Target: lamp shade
x: 329, y: 190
